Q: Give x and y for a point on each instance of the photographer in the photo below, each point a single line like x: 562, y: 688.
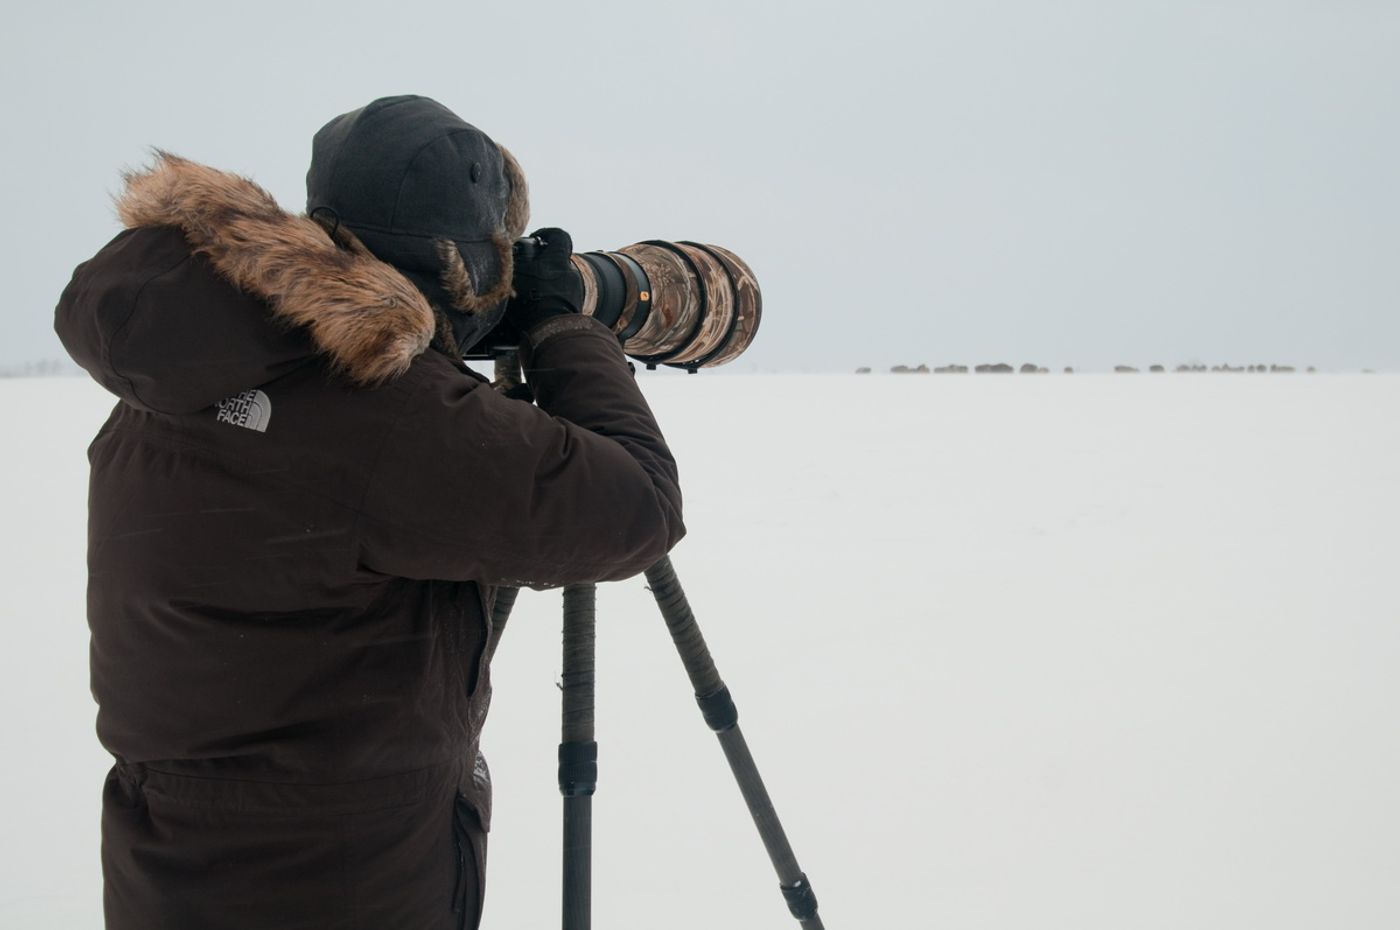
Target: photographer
x: 302, y: 503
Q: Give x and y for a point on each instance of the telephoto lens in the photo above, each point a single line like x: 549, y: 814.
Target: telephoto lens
x: 681, y: 304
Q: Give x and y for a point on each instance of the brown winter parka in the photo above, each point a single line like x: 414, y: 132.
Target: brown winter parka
x: 298, y: 514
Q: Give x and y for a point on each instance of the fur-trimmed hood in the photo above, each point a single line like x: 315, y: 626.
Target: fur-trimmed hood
x: 210, y: 267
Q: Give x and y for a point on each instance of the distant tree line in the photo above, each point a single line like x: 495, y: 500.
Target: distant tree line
x: 41, y: 369
x: 1030, y: 368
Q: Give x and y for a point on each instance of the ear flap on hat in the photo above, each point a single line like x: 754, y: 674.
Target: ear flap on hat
x: 457, y: 279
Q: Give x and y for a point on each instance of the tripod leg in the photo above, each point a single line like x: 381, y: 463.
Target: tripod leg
x: 578, y: 754
x: 722, y: 716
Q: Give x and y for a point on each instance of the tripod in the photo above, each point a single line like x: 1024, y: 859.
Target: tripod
x: 578, y: 753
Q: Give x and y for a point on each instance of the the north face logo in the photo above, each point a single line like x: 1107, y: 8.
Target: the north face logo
x: 251, y: 409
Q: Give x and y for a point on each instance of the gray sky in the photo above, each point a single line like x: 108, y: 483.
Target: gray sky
x: 1071, y: 183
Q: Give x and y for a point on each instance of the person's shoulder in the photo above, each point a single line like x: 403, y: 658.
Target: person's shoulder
x: 431, y: 390
x: 436, y: 372
x: 335, y: 392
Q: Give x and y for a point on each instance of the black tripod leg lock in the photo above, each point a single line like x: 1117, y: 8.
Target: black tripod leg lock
x: 718, y: 708
x: 578, y: 769
x: 801, y: 899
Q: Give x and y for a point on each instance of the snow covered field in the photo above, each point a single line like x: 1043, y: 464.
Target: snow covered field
x: 1062, y: 652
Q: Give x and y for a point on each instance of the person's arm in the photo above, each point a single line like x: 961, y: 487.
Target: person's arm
x: 471, y: 485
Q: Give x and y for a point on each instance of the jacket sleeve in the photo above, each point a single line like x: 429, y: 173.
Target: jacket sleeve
x: 471, y: 485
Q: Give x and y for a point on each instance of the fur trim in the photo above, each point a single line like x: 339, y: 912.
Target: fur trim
x: 360, y: 312
x: 518, y: 206
x: 446, y: 337
x: 457, y: 280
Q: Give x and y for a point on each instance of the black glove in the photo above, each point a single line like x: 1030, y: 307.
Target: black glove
x: 546, y: 283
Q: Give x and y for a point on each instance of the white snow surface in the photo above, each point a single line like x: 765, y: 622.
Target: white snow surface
x: 1011, y: 652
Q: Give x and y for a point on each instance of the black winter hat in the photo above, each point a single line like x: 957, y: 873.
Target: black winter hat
x: 431, y: 195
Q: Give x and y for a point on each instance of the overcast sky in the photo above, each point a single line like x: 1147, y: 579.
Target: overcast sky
x: 1070, y: 183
